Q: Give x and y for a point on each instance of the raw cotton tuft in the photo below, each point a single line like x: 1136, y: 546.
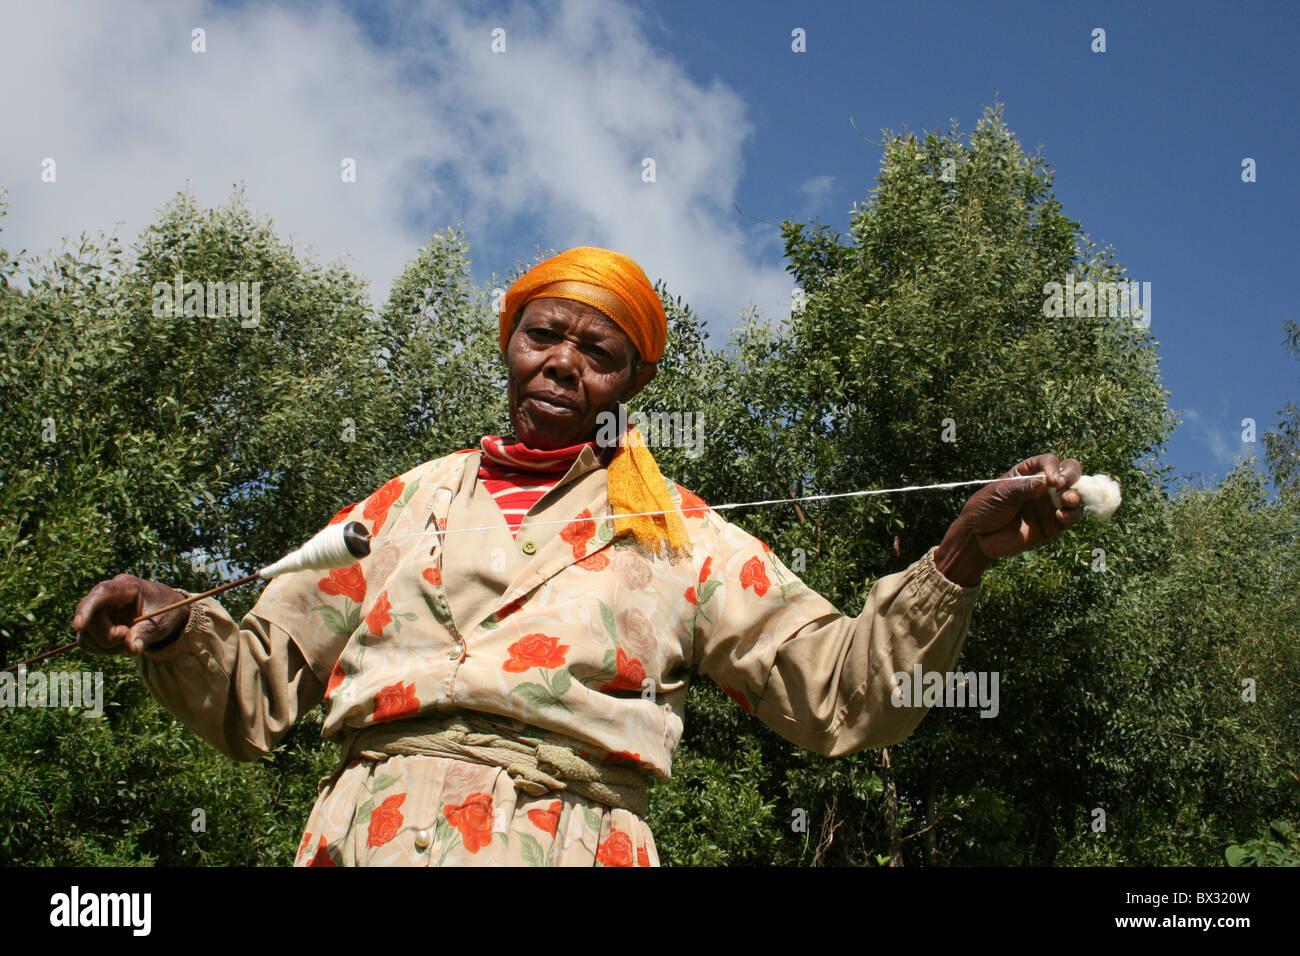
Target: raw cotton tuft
x: 1100, y: 494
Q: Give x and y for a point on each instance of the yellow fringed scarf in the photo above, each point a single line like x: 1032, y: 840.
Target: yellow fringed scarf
x: 636, y: 486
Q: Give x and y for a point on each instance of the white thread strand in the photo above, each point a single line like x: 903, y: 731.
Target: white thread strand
x: 327, y: 549
x: 751, y: 504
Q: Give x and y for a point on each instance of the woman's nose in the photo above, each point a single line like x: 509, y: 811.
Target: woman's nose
x: 562, y: 361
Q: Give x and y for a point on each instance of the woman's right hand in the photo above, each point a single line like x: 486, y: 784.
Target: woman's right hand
x: 103, y: 617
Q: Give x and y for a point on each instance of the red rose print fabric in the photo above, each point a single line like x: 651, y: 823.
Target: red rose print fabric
x: 568, y: 631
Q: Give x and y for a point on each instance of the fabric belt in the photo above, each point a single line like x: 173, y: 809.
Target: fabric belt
x: 535, y: 767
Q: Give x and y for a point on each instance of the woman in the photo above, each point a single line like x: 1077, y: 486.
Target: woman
x: 509, y: 664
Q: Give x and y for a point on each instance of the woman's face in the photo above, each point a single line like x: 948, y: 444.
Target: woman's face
x: 568, y: 362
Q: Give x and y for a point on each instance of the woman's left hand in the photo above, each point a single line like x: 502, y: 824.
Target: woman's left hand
x: 1006, y: 517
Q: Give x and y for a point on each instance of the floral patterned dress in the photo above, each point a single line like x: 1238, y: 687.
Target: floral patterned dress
x: 560, y: 629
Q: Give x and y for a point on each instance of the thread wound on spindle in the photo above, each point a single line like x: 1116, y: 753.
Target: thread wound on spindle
x: 335, y: 547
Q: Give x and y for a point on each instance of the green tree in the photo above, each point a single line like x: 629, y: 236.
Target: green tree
x: 1282, y: 447
x: 1200, y: 742
x: 176, y: 444
x: 932, y: 317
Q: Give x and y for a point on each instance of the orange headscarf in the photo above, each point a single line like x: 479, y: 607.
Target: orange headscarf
x: 603, y: 280
x: 618, y: 287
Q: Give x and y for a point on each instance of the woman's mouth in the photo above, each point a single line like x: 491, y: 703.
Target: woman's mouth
x: 554, y: 407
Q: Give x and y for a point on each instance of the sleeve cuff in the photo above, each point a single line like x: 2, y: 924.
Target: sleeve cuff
x: 944, y: 593
x: 174, y: 645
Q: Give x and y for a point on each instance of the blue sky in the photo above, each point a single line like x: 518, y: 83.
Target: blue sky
x: 541, y: 147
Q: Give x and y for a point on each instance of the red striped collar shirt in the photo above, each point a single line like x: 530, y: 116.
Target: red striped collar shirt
x: 518, y: 476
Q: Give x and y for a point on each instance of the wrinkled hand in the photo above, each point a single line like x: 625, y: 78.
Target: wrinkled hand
x: 103, y: 617
x: 1006, y: 517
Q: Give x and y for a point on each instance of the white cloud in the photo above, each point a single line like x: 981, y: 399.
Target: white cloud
x: 539, y: 146
x: 817, y: 189
x: 1221, y: 437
